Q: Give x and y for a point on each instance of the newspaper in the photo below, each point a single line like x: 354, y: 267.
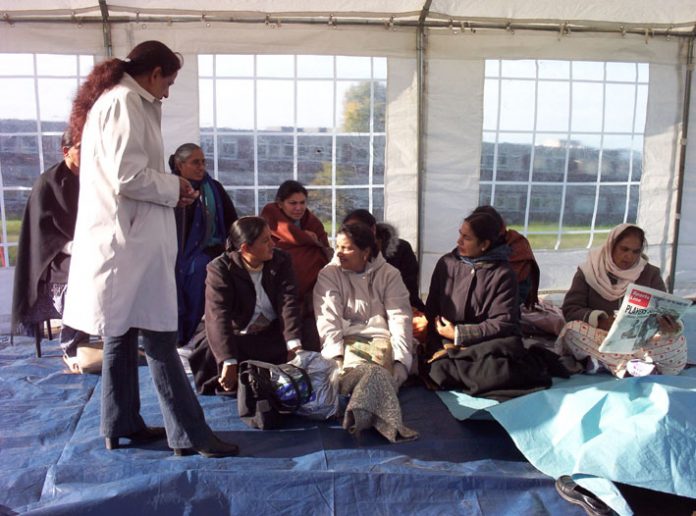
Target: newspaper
x: 636, y: 320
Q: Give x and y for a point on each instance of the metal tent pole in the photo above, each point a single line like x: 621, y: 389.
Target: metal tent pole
x: 682, y: 162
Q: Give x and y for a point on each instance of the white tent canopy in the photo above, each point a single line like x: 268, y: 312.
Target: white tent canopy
x: 435, y: 87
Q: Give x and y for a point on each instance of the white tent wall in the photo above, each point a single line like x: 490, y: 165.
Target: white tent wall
x: 454, y: 128
x: 453, y: 106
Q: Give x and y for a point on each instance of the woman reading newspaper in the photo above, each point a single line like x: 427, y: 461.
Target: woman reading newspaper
x: 596, y: 293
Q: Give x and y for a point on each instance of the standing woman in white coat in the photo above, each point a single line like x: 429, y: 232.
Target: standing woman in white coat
x: 122, y: 273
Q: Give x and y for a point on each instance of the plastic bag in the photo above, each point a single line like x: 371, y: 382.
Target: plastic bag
x: 323, y: 374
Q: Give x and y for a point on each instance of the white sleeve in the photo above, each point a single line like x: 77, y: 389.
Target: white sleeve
x: 123, y: 126
x: 328, y: 308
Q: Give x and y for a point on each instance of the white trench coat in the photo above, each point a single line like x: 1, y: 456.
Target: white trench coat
x: 124, y: 251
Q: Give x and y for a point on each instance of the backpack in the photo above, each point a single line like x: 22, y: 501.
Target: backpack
x: 267, y: 392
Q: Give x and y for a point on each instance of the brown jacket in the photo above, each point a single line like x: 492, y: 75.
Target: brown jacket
x: 581, y: 299
x: 230, y: 298
x: 308, y: 255
x: 482, y: 298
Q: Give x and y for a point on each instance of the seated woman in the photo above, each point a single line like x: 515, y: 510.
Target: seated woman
x: 521, y: 260
x: 398, y: 253
x: 251, y: 308
x: 473, y: 291
x: 596, y: 293
x: 201, y: 231
x: 360, y: 298
x: 473, y: 312
x: 298, y: 231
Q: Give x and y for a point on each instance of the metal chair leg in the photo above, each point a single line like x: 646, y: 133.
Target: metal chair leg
x: 48, y: 327
x: 38, y: 335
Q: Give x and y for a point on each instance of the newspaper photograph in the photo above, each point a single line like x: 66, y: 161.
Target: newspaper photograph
x: 637, y: 319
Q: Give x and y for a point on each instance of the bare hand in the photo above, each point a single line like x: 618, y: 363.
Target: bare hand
x: 445, y: 328
x: 228, y: 377
x: 292, y: 353
x: 668, y: 324
x: 605, y: 322
x: 186, y: 193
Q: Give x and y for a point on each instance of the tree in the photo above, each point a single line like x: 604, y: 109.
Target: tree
x: 356, y: 107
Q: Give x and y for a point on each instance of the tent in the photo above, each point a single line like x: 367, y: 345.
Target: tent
x: 568, y: 116
x: 436, y: 80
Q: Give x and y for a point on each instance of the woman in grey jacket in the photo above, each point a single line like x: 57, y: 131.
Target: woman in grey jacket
x: 360, y: 296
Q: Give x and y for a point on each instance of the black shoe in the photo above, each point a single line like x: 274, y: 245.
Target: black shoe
x: 213, y: 449
x: 146, y: 435
x: 573, y: 493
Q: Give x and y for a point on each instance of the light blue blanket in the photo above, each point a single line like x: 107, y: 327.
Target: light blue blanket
x: 637, y: 431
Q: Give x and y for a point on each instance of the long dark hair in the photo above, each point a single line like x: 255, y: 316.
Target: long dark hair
x: 485, y: 227
x: 245, y: 231
x: 289, y: 188
x: 144, y: 58
x: 361, y: 235
x: 361, y: 215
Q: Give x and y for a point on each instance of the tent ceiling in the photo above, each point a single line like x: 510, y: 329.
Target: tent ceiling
x: 678, y: 16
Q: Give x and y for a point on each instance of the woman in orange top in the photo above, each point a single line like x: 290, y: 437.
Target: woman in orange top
x: 298, y: 231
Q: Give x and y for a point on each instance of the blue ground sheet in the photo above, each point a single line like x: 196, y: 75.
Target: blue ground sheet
x: 601, y: 430
x: 53, y: 461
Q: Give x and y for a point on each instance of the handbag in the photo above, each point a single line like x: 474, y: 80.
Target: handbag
x: 267, y: 392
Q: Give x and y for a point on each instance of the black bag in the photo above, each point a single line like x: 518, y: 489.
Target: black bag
x: 266, y: 392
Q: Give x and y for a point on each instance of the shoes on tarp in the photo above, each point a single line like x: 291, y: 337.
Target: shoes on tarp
x: 573, y: 493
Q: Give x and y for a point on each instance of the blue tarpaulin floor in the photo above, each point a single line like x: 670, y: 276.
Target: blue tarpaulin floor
x: 53, y: 461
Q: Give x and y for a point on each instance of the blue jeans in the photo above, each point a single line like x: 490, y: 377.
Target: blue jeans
x: 120, y: 409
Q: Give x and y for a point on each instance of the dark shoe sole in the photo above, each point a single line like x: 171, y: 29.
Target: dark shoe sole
x: 208, y: 454
x: 575, y: 494
x: 146, y: 435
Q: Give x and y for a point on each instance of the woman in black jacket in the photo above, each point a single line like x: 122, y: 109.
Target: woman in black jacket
x: 252, y: 311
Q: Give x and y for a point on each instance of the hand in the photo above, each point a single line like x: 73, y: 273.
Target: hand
x: 445, y: 328
x: 339, y: 362
x: 605, y: 322
x: 292, y: 353
x: 228, y: 377
x: 186, y: 193
x: 399, y: 374
x: 668, y: 324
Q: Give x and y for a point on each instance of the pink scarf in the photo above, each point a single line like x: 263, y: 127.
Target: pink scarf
x: 599, y: 265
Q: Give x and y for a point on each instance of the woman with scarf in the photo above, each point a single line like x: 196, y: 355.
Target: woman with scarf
x: 474, y: 341
x: 301, y: 234
x: 596, y: 293
x: 201, y: 231
x: 521, y: 259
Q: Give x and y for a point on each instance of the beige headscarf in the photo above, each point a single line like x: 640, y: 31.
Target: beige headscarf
x: 599, y: 264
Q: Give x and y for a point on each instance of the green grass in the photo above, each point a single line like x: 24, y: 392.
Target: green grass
x: 13, y: 226
x: 568, y: 241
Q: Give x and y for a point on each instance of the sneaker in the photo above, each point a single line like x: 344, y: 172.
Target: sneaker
x: 573, y: 493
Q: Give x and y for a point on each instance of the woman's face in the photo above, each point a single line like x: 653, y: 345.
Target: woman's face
x: 294, y: 206
x: 261, y: 250
x: 193, y: 167
x: 351, y: 257
x: 468, y: 245
x: 626, y: 252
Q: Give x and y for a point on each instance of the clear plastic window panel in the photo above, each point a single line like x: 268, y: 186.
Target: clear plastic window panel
x: 562, y: 147
x: 34, y: 109
x: 320, y: 120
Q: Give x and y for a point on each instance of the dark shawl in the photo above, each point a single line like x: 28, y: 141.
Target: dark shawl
x: 48, y: 224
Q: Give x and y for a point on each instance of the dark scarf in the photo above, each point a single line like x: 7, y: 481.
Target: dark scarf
x: 499, y: 253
